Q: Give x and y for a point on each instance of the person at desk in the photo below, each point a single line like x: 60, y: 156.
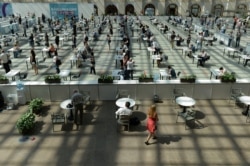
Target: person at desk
x: 156, y: 46
x: 52, y: 49
x: 124, y: 110
x: 16, y: 50
x: 222, y: 71
x: 77, y: 102
x: 203, y: 57
x: 171, y: 72
x: 151, y: 123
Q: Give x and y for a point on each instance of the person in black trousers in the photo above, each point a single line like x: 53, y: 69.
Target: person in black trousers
x: 92, y: 67
x: 77, y: 102
x: 57, y: 40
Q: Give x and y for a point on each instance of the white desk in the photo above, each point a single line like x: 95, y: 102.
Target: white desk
x: 185, y: 102
x: 64, y: 74
x: 151, y: 49
x: 121, y: 102
x: 64, y: 104
x: 215, y: 73
x: 46, y: 50
x: 229, y: 49
x: 164, y: 73
x: 245, y: 100
x: 186, y: 50
x: 12, y: 74
x: 244, y: 57
x: 155, y: 57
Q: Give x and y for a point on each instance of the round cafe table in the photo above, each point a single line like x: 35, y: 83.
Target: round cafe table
x: 121, y: 102
x: 185, y: 102
x: 245, y: 100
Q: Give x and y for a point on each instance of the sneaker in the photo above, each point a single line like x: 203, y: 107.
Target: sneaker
x: 146, y: 143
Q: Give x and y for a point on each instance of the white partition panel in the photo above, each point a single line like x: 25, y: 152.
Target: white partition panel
x: 7, y: 89
x: 202, y: 91
x: 131, y: 88
x: 245, y: 87
x: 107, y: 91
x: 187, y: 87
x: 58, y: 93
x: 221, y: 91
x: 145, y: 91
x: 165, y: 91
x: 40, y: 91
x: 92, y: 89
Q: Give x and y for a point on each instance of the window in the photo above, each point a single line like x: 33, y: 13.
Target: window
x: 195, y: 10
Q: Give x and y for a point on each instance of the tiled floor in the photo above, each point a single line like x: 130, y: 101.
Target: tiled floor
x: 221, y: 137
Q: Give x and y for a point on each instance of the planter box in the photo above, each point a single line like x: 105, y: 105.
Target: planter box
x: 228, y: 81
x: 190, y: 80
x: 4, y: 81
x: 52, y: 81
x: 105, y: 81
x: 146, y: 80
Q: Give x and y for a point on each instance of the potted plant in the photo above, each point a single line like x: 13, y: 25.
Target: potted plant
x: 26, y: 123
x: 189, y: 78
x: 4, y: 79
x: 52, y: 79
x: 228, y: 77
x: 145, y: 78
x: 35, y: 105
x: 105, y: 79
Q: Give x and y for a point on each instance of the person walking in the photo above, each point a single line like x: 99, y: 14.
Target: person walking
x: 152, y: 119
x: 57, y: 61
x: 33, y: 61
x: 4, y: 58
x: 130, y: 68
x: 92, y: 67
x: 31, y: 40
x: 77, y: 102
x: 238, y: 36
x: 57, y: 40
x: 109, y: 40
x: 46, y: 39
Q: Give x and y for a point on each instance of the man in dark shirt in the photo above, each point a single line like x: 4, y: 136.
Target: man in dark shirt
x: 77, y: 102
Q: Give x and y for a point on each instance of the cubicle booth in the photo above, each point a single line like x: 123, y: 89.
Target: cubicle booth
x: 201, y: 90
x: 224, y: 38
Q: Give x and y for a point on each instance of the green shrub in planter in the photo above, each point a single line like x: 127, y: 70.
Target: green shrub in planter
x: 188, y: 79
x: 228, y: 77
x: 26, y: 123
x: 4, y: 79
x: 52, y: 79
x: 105, y: 79
x: 35, y: 105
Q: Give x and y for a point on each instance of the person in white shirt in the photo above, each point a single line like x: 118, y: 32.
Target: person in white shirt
x: 124, y: 110
x: 156, y: 46
x: 130, y: 68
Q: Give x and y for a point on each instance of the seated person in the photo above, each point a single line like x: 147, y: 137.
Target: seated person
x: 203, y: 57
x: 171, y: 72
x: 124, y: 110
x: 178, y: 40
x: 16, y: 50
x: 222, y: 71
x: 52, y: 49
x: 165, y: 28
x: 156, y: 46
x: 159, y: 60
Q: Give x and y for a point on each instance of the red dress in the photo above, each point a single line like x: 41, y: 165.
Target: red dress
x: 151, y: 124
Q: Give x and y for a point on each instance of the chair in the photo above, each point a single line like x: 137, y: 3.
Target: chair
x: 57, y: 119
x: 123, y: 120
x: 188, y: 117
x: 86, y: 96
x: 234, y: 94
x: 122, y: 93
x: 177, y: 92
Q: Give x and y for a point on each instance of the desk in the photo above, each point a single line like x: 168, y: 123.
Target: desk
x: 118, y: 58
x: 164, y: 73
x: 244, y: 57
x: 245, y: 100
x: 46, y: 50
x: 215, y: 73
x: 209, y: 40
x: 116, y: 73
x: 229, y: 49
x: 121, y: 102
x: 64, y: 104
x: 186, y: 50
x: 155, y: 57
x: 185, y: 102
x: 64, y: 74
x: 12, y: 74
x: 73, y: 60
x: 151, y: 49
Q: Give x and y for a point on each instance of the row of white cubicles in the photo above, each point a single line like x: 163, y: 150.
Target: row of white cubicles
x: 202, y: 89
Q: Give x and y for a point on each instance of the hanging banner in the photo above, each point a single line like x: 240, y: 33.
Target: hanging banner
x: 63, y: 10
x: 6, y: 9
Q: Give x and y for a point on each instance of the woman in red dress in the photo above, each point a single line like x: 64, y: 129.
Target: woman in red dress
x: 151, y: 123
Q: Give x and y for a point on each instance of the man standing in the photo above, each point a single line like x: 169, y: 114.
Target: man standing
x: 130, y: 68
x: 77, y: 102
x: 238, y: 36
x: 124, y: 111
x: 57, y: 40
x: 5, y: 61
